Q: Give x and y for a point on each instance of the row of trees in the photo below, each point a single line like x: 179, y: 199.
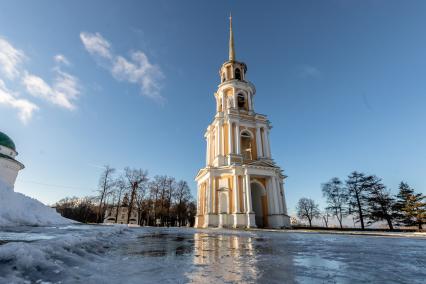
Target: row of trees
x: 161, y: 200
x: 81, y: 209
x: 367, y: 199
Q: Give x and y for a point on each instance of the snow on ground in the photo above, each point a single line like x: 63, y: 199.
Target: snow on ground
x: 18, y: 209
x: 118, y: 254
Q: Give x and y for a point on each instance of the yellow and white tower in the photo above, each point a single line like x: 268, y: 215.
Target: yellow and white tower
x: 240, y: 186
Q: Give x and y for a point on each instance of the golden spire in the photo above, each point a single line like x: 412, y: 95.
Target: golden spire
x: 231, y: 40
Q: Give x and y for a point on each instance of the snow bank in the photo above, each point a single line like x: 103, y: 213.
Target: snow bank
x: 17, y: 209
x: 71, y: 255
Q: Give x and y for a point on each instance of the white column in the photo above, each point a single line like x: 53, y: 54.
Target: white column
x: 237, y: 138
x: 258, y: 143
x: 282, y: 197
x: 216, y: 141
x: 249, y: 101
x: 209, y: 197
x: 213, y: 189
x: 208, y: 150
x: 265, y: 144
x: 236, y: 195
x: 198, y: 199
x: 248, y: 193
x: 270, y: 196
x: 220, y: 138
x: 276, y: 195
x: 244, y: 209
x: 231, y: 151
x: 268, y: 144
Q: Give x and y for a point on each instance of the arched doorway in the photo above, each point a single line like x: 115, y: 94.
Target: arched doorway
x: 258, y: 201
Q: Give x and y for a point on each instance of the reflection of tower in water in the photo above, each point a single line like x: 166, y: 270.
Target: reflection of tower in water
x: 223, y: 258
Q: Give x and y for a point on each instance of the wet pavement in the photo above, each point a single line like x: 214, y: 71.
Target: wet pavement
x: 90, y: 254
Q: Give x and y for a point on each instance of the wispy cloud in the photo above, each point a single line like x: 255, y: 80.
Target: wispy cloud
x: 95, y: 44
x: 63, y: 91
x: 25, y: 108
x: 61, y: 59
x: 137, y: 69
x: 10, y: 59
x: 309, y: 71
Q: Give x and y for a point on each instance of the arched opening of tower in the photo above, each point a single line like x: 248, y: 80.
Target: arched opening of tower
x: 246, y: 146
x: 258, y: 200
x: 237, y: 74
x: 241, y: 101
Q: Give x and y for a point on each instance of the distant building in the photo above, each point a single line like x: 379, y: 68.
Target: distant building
x: 293, y: 221
x: 111, y: 216
x: 9, y: 167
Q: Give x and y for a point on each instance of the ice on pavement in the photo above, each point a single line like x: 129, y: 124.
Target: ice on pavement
x: 117, y: 254
x: 18, y: 209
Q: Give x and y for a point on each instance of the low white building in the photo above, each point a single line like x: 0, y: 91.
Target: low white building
x: 111, y: 216
x: 9, y: 167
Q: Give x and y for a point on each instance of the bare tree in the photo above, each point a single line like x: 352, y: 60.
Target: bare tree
x: 325, y: 215
x: 171, y: 187
x: 80, y: 209
x: 307, y: 209
x: 136, y: 179
x: 141, y: 197
x: 119, y: 189
x: 337, y: 198
x: 106, y: 183
x: 182, y: 196
x: 154, y: 191
x: 358, y: 185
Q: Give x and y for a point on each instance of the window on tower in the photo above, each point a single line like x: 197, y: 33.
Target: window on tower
x: 237, y: 74
x: 246, y: 145
x: 241, y: 101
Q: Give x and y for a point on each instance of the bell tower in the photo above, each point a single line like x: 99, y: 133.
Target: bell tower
x: 240, y: 186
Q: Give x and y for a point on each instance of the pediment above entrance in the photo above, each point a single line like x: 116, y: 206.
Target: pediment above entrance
x: 263, y: 163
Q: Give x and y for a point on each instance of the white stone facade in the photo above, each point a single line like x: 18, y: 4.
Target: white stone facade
x: 111, y: 215
x: 240, y: 186
x: 9, y: 167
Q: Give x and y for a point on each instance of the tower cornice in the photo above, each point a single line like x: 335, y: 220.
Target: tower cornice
x: 244, y: 85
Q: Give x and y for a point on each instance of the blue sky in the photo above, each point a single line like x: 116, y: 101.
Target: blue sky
x: 131, y: 83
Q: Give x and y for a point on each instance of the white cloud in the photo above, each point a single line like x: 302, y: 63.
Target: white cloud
x: 61, y: 59
x: 137, y: 70
x: 25, y: 108
x: 63, y: 92
x: 95, y: 44
x: 10, y: 58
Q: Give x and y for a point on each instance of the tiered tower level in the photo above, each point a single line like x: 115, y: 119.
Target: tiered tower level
x: 240, y: 186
